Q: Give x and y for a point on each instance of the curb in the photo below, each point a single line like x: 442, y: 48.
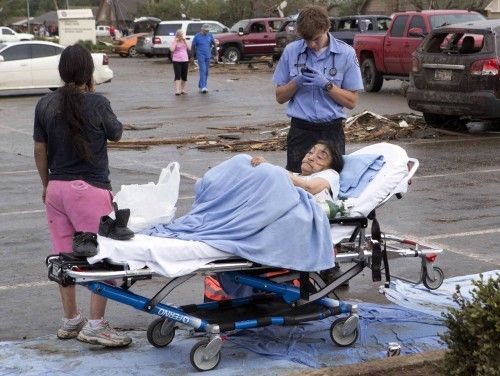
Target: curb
x: 396, y: 365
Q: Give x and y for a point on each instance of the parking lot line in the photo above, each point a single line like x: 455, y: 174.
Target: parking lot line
x: 461, y: 234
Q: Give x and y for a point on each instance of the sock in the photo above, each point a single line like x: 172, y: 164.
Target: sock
x: 74, y: 320
x: 95, y: 323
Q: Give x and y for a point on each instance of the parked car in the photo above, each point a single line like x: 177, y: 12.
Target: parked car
x: 388, y: 56
x: 455, y: 74
x: 144, y: 45
x: 248, y: 38
x: 104, y: 31
x: 126, y: 46
x: 342, y: 28
x: 164, y: 33
x: 9, y: 35
x: 34, y: 65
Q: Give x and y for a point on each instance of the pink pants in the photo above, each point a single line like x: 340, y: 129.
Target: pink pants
x: 74, y: 206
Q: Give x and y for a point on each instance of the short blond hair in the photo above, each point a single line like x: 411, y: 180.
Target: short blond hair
x: 312, y: 20
x: 179, y: 33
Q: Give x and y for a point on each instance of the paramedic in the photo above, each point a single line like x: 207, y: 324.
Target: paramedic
x: 318, y: 76
x: 202, y: 47
x: 71, y: 129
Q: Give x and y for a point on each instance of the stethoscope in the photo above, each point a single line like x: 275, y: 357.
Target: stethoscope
x: 332, y: 71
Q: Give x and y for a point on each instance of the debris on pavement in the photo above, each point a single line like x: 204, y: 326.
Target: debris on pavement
x: 364, y: 127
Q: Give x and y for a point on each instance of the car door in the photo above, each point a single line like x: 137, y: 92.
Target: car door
x: 412, y: 42
x: 44, y: 65
x: 393, y: 45
x: 256, y: 40
x: 15, y: 67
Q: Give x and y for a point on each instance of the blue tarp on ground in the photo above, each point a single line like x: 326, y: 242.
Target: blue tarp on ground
x: 263, y: 351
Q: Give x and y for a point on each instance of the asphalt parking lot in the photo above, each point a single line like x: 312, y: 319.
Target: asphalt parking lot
x: 453, y: 201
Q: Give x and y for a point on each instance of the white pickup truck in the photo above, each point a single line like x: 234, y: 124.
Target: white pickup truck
x: 9, y: 35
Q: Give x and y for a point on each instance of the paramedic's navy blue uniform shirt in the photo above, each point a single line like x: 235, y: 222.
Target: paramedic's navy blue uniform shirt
x: 203, y: 44
x: 313, y: 104
x: 63, y: 160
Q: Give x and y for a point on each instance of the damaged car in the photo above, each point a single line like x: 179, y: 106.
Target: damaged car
x: 455, y: 74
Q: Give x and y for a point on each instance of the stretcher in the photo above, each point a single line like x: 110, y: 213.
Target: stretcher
x: 280, y: 297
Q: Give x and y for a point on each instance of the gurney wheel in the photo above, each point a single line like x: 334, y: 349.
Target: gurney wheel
x: 439, y: 277
x: 338, y: 336
x: 155, y: 337
x: 197, y: 360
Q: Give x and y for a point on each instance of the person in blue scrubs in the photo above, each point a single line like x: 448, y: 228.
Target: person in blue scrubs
x: 318, y: 76
x: 202, y: 46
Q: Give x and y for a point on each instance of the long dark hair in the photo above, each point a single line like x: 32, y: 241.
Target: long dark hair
x: 337, y: 160
x: 76, y: 68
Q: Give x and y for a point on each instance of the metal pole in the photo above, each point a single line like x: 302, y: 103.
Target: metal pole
x: 28, y: 7
x: 67, y: 4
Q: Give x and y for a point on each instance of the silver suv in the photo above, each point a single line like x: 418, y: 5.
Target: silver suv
x: 165, y: 33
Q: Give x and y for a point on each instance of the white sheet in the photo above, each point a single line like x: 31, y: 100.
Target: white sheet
x: 175, y: 257
x: 165, y: 256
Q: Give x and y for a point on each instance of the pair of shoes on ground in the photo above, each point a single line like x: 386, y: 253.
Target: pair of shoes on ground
x: 103, y: 335
x: 182, y: 93
x: 204, y: 90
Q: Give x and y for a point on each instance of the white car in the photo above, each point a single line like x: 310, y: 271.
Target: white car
x: 34, y: 65
x: 9, y: 35
x: 103, y: 31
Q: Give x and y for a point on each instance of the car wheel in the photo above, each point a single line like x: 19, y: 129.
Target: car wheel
x: 132, y: 52
x: 372, y: 78
x: 232, y: 54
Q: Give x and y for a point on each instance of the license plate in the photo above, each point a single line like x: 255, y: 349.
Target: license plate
x: 442, y: 75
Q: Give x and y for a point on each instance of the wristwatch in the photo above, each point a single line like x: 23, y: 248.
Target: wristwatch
x: 328, y: 86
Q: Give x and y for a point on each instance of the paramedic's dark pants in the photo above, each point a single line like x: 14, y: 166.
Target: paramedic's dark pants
x: 303, y: 135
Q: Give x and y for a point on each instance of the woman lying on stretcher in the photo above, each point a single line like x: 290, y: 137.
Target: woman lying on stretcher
x: 319, y: 171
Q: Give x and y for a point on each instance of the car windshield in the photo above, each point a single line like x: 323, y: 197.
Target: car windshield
x: 449, y: 19
x: 236, y: 27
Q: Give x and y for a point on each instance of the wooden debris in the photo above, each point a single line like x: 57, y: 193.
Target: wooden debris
x: 130, y: 127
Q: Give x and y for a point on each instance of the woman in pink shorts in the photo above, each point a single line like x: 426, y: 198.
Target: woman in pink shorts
x: 71, y: 129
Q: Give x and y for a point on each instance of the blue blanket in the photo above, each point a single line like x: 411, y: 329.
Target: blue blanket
x: 258, y: 214
x: 358, y: 171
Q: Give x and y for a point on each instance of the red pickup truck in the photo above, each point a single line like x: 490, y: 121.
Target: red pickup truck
x: 389, y: 56
x: 248, y: 38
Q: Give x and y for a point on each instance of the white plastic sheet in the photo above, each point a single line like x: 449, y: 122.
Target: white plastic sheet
x: 151, y: 204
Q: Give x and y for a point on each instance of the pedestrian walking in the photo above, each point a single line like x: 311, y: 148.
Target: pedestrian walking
x: 71, y: 129
x: 202, y: 45
x: 180, y: 60
x: 318, y: 76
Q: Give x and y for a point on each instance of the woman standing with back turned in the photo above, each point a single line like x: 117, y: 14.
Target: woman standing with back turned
x: 71, y: 129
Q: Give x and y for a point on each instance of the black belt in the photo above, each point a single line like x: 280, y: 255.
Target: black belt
x: 310, y: 126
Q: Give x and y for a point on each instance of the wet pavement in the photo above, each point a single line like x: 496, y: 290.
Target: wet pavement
x: 452, y: 202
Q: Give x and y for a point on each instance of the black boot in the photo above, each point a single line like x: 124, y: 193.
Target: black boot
x: 121, y: 231
x: 84, y: 244
x: 106, y: 225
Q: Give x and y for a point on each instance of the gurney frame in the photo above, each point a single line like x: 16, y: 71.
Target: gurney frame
x: 205, y: 355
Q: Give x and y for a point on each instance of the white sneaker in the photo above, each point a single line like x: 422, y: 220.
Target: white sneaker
x: 104, y: 335
x: 69, y: 329
x: 204, y: 90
